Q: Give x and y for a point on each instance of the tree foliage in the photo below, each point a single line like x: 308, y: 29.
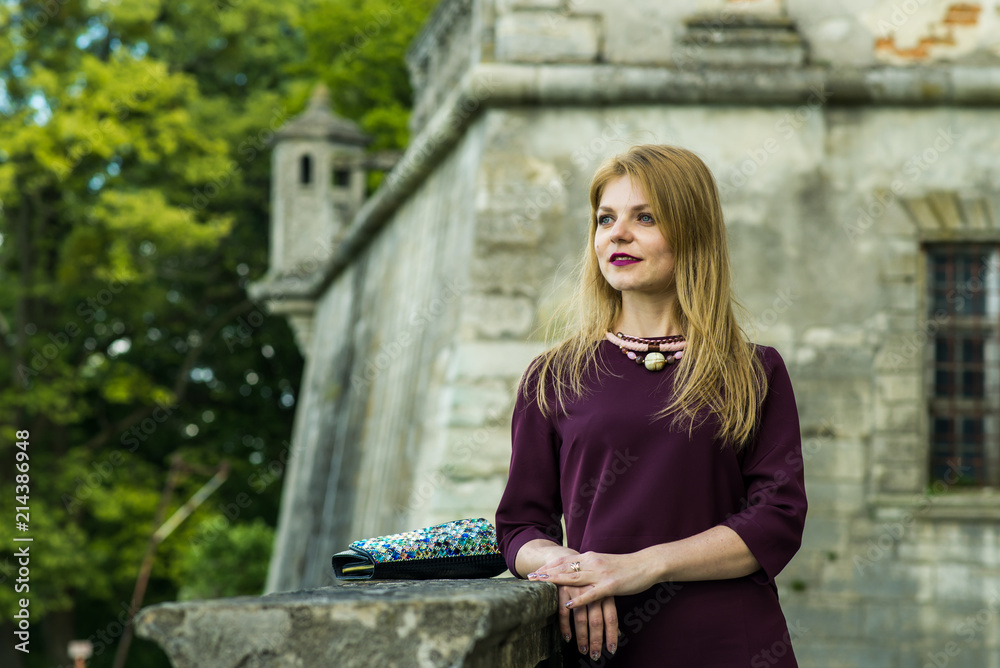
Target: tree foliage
x: 235, y: 549
x: 134, y: 181
x: 358, y: 49
x: 134, y: 185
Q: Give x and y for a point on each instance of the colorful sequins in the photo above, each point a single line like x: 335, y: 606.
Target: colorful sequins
x: 467, y: 537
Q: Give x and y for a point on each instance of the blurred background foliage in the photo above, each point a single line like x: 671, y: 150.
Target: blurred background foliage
x: 134, y: 184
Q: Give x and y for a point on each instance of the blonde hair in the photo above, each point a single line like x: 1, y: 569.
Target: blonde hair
x: 720, y: 373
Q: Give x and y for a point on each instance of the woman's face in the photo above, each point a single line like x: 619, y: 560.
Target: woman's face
x: 631, y: 251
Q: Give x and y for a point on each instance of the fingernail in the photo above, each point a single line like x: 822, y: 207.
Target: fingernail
x: 567, y: 637
x: 612, y: 648
x: 595, y: 655
x: 532, y: 575
x: 583, y: 649
x: 542, y: 576
x: 569, y: 604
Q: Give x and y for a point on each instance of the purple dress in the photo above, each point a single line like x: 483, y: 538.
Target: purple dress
x: 625, y: 482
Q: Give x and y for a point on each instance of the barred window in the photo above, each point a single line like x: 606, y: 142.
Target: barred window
x: 964, y: 383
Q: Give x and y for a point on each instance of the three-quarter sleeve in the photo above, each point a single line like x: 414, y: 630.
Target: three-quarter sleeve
x: 771, y: 524
x: 530, y: 507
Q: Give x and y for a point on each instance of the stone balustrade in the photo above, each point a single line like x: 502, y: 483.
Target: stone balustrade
x: 482, y: 623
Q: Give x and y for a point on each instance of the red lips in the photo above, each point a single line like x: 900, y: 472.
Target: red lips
x: 622, y: 259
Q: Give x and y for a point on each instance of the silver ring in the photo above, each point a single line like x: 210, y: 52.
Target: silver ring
x: 575, y: 566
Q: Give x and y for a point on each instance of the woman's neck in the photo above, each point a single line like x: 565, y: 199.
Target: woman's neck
x: 647, y: 316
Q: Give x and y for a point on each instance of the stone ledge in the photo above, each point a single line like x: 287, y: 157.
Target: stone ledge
x: 477, y: 623
x: 970, y: 505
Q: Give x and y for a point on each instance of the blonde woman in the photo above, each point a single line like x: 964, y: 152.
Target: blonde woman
x: 666, y: 441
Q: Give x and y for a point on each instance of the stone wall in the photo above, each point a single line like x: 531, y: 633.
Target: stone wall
x: 847, y: 34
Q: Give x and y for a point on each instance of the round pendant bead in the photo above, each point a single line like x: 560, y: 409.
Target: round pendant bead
x: 649, y: 352
x: 655, y: 361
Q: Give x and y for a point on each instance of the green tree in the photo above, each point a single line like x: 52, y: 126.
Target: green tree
x: 134, y: 182
x: 236, y: 550
x: 134, y: 179
x: 357, y: 47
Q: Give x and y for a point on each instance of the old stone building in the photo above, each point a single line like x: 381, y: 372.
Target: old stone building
x: 857, y: 149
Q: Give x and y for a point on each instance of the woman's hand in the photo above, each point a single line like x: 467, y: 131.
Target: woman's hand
x: 589, y: 582
x: 595, y: 576
x: 587, y: 595
x: 593, y: 624
x: 540, y: 552
x: 596, y: 624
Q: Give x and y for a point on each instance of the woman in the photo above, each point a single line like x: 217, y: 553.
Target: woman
x: 667, y: 443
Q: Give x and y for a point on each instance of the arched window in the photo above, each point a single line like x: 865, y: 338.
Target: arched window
x: 305, y: 170
x: 341, y: 178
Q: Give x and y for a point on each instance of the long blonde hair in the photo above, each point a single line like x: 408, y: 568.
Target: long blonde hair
x: 720, y: 373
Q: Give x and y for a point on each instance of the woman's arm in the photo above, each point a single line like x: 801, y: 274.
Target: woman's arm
x: 536, y: 553
x: 716, y: 554
x: 530, y: 510
x: 529, y: 529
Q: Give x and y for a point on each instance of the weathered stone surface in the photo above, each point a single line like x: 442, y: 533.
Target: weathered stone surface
x: 826, y: 533
x: 517, y: 195
x: 506, y: 5
x: 497, y: 317
x: 500, y: 359
x: 814, y: 615
x: 899, y: 387
x: 834, y: 654
x: 842, y: 460
x: 478, y: 453
x: 482, y: 404
x: 477, y: 623
x: 439, y: 56
x: 747, y: 41
x: 899, y: 476
x: 545, y: 37
x: 510, y: 273
x: 888, y: 445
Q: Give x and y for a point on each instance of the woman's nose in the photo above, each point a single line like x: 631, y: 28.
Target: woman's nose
x: 621, y: 230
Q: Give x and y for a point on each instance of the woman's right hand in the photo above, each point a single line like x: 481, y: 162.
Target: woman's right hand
x: 596, y: 624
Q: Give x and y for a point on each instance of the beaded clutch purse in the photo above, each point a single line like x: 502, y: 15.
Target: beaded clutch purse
x: 459, y: 549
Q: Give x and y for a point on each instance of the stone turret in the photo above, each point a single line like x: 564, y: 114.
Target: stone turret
x: 318, y: 185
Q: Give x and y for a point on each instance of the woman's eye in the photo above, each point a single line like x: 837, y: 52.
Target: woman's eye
x: 645, y: 218
x: 604, y: 220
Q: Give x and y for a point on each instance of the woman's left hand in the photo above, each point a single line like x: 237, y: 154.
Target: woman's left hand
x: 598, y: 575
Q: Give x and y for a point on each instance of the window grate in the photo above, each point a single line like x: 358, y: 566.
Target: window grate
x: 964, y: 383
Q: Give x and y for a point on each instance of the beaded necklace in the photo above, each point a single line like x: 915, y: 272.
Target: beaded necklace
x: 653, y: 358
